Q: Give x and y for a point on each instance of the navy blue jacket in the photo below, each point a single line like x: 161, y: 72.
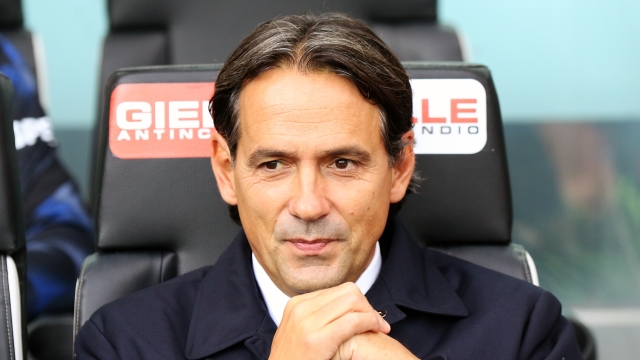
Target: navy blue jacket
x: 439, y: 307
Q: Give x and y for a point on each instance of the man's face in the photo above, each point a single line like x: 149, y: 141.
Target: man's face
x: 311, y: 177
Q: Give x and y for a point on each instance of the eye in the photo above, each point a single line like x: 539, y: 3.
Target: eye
x: 272, y: 165
x: 342, y: 164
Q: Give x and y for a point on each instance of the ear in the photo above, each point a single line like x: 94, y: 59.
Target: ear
x: 403, y: 171
x: 223, y: 169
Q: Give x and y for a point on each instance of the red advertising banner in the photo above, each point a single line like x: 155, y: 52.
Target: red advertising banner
x: 161, y: 120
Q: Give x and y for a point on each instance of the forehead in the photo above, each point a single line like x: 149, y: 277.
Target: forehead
x: 285, y: 104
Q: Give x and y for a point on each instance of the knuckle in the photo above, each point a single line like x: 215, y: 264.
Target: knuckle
x: 296, y: 311
x: 352, y: 287
x: 288, y: 309
x: 312, y: 340
x: 294, y: 301
x: 352, y: 298
x: 348, y: 286
x: 375, y: 322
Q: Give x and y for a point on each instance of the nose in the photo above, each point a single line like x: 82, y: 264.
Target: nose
x: 308, y: 201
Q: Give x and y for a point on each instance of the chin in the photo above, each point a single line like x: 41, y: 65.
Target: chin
x: 314, y: 278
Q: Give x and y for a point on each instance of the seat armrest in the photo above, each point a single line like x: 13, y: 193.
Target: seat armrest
x: 512, y: 259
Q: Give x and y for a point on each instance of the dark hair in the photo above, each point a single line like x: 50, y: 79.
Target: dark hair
x: 331, y: 42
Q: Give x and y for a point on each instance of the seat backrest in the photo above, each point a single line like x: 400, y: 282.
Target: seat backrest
x: 159, y: 213
x: 12, y: 243
x: 206, y: 31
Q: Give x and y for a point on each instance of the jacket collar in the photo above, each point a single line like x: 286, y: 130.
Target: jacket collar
x: 409, y: 280
x: 229, y: 307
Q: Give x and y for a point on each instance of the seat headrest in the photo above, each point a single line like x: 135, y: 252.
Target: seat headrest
x: 465, y: 196
x: 11, y: 214
x: 163, y: 32
x: 156, y: 188
x: 245, y: 14
x: 10, y: 14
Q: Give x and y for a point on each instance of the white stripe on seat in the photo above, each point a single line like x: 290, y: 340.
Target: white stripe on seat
x: 532, y: 268
x: 14, y: 298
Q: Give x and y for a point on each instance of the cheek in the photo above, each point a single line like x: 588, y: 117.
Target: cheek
x: 260, y: 196
x: 260, y: 204
x: 365, y: 206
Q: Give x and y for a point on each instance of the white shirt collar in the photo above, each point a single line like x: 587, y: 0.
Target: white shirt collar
x: 276, y: 300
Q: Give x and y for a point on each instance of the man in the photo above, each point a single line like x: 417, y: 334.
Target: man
x: 314, y: 150
x: 59, y: 232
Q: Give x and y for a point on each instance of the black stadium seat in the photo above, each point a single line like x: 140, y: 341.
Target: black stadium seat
x: 159, y: 213
x: 166, y: 32
x: 464, y: 199
x: 12, y: 243
x: 12, y: 28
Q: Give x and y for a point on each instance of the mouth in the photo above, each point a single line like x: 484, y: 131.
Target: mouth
x: 310, y: 247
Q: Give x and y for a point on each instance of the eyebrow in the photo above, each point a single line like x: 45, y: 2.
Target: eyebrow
x: 356, y: 152
x: 348, y: 151
x: 258, y: 155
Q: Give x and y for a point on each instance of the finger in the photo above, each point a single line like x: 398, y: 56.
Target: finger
x: 333, y: 292
x: 329, y: 292
x: 345, y: 351
x: 308, y: 303
x: 352, y: 301
x: 352, y: 324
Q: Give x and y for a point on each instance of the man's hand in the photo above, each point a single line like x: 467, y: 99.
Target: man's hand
x: 371, y: 346
x: 315, y: 325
